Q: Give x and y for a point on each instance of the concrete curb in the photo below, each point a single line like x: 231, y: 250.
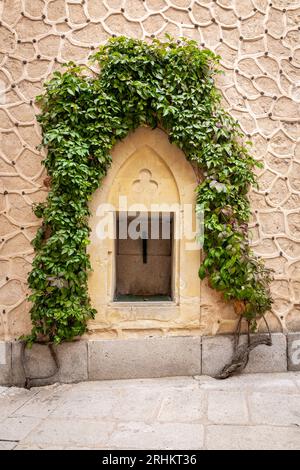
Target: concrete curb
x: 142, y: 358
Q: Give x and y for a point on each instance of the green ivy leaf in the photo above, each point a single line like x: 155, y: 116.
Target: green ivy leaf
x: 165, y: 83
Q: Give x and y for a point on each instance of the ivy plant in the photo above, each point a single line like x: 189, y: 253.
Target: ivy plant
x: 162, y: 83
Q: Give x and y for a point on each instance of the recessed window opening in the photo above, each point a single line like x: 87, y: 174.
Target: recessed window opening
x: 144, y: 246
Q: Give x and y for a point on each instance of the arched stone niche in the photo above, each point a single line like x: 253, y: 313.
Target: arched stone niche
x: 149, y: 170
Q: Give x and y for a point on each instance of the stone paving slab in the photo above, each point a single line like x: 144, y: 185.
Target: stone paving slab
x: 8, y: 445
x: 158, y: 436
x: 275, y: 383
x: 227, y: 407
x: 259, y: 411
x: 44, y: 402
x: 124, y: 405
x: 5, y: 362
x: 71, y: 431
x: 217, y: 352
x: 252, y: 438
x: 275, y: 409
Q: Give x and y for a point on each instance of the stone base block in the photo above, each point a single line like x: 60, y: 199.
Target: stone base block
x: 5, y: 363
x: 41, y: 368
x: 217, y: 352
x: 294, y: 351
x: 141, y: 358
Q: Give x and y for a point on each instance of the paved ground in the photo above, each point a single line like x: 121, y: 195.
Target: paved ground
x: 260, y: 411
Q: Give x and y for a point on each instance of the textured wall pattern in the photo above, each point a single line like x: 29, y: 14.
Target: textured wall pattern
x: 259, y: 42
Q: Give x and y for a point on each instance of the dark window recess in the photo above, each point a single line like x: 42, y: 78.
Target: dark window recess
x: 144, y: 263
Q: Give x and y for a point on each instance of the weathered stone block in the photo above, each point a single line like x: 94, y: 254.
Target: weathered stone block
x: 174, y: 406
x: 40, y: 365
x: 217, y: 352
x: 269, y: 358
x: 149, y: 357
x: 276, y: 409
x: 293, y: 351
x: 16, y: 428
x: 5, y: 363
x: 57, y: 432
x: 73, y: 361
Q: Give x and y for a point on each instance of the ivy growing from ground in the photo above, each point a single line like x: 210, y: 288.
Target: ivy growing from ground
x: 168, y: 84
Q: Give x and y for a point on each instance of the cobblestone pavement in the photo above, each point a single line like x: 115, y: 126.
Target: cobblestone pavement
x: 260, y: 411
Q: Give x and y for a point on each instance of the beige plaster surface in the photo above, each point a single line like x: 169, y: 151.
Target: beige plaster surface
x: 259, y: 42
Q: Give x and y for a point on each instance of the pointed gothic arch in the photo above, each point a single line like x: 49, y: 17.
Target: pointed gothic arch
x: 146, y: 150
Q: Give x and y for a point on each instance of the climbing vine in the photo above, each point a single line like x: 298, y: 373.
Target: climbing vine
x: 168, y: 84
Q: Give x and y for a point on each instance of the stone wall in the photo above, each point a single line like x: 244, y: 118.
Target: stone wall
x: 259, y: 42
